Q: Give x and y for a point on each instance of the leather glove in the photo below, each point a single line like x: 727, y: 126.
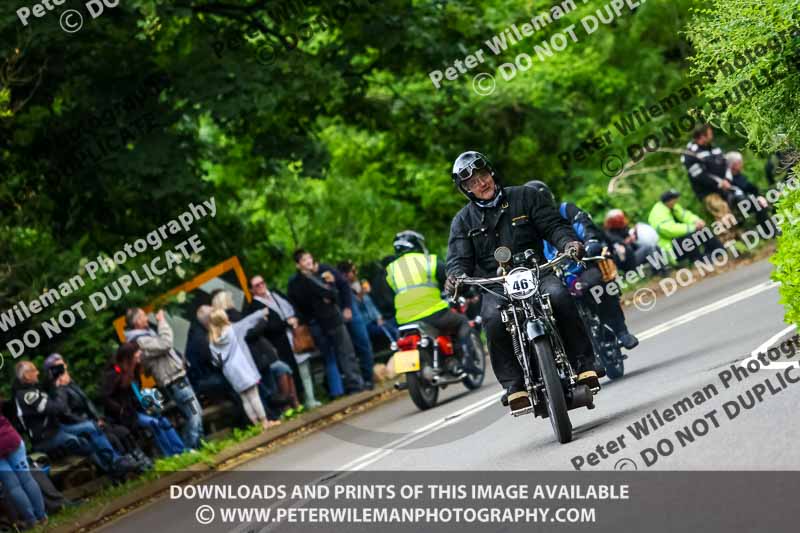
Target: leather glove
x: 593, y: 248
x: 451, y: 285
x: 575, y: 249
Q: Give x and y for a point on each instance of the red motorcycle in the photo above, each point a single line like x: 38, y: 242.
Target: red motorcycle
x: 432, y: 361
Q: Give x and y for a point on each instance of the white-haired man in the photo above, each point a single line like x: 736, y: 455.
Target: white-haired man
x: 750, y: 199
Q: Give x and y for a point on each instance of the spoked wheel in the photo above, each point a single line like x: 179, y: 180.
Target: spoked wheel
x: 474, y: 381
x: 423, y: 393
x: 556, y: 403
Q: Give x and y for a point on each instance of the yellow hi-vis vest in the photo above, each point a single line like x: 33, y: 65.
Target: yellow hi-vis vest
x: 412, y: 276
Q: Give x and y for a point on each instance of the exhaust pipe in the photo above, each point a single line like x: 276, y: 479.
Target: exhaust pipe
x: 401, y: 386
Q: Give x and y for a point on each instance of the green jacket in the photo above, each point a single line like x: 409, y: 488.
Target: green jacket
x: 415, y: 278
x: 670, y: 224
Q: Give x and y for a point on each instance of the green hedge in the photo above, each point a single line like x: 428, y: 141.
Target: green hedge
x: 787, y: 258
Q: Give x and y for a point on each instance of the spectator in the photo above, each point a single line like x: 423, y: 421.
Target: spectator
x: 680, y: 231
x: 316, y: 291
x: 39, y: 414
x: 277, y: 386
x: 168, y: 368
x: 376, y: 324
x: 21, y: 490
x: 206, y: 379
x: 79, y: 408
x: 230, y: 352
x: 629, y: 252
x: 707, y: 168
x: 750, y: 198
x: 120, y: 382
x: 357, y: 326
x: 280, y: 324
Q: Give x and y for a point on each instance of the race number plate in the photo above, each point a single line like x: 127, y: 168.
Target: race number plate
x: 406, y: 361
x: 520, y: 284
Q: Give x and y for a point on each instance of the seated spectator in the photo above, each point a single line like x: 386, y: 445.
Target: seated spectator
x: 749, y: 200
x: 21, y: 490
x: 39, y: 414
x: 628, y: 251
x: 376, y: 325
x: 168, y: 368
x: 317, y: 292
x: 681, y: 233
x: 229, y: 351
x: 357, y: 326
x: 276, y: 375
x: 120, y: 382
x: 280, y: 324
x: 79, y: 408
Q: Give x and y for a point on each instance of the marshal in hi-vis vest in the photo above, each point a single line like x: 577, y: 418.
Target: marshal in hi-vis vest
x: 412, y: 277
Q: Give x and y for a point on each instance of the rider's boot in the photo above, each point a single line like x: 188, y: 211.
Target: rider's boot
x: 587, y: 375
x: 518, y: 400
x: 628, y: 341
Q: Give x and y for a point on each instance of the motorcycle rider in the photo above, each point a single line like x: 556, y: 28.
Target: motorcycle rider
x: 579, y: 280
x: 519, y: 218
x: 417, y: 279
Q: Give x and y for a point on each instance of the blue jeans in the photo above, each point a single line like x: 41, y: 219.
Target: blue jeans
x: 84, y: 438
x: 22, y: 490
x: 167, y: 438
x: 362, y: 344
x: 341, y: 366
x: 388, y: 329
x: 182, y: 394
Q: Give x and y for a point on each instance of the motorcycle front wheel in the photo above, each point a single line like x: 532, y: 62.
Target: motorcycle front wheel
x: 554, y: 392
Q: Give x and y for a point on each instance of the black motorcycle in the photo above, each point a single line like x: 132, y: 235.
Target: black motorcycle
x: 527, y: 313
x: 604, y: 342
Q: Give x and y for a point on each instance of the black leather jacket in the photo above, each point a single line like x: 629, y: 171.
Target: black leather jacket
x: 522, y: 221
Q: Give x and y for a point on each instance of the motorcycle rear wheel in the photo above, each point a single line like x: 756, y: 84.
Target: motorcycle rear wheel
x: 472, y: 381
x: 554, y: 392
x: 423, y: 394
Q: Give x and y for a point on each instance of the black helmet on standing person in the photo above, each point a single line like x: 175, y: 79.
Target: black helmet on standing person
x: 542, y: 188
x: 409, y: 241
x: 463, y: 168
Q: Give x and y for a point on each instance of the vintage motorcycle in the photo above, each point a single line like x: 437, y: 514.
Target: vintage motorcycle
x: 610, y: 359
x: 431, y: 361
x: 527, y: 313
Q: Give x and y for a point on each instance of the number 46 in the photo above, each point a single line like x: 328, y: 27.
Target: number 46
x: 521, y: 285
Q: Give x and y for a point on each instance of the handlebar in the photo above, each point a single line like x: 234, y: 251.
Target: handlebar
x: 542, y: 268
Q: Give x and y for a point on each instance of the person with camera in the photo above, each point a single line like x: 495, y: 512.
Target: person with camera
x: 41, y: 414
x: 127, y: 404
x: 519, y: 218
x: 79, y: 408
x: 168, y: 368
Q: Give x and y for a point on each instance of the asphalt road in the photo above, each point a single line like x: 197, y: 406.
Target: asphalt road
x: 688, y: 339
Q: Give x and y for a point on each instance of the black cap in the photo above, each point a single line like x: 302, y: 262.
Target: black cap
x: 670, y: 195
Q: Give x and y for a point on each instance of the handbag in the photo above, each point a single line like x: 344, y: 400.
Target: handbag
x: 303, y: 341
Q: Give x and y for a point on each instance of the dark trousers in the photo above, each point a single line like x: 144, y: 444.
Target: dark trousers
x: 362, y: 345
x: 608, y: 308
x: 682, y: 252
x: 341, y: 364
x: 501, y: 350
x: 455, y: 324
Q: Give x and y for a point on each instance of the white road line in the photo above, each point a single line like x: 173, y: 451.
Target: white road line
x: 376, y: 455
x: 710, y: 308
x: 765, y: 345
